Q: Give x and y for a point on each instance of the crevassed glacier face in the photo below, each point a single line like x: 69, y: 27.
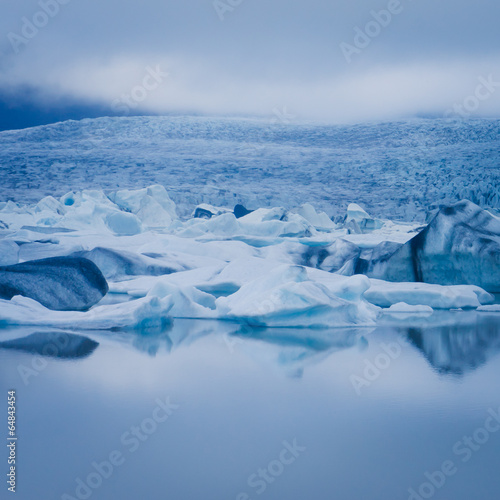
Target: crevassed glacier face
x: 394, y: 170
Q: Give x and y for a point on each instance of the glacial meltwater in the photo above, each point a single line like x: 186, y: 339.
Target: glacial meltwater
x: 216, y: 410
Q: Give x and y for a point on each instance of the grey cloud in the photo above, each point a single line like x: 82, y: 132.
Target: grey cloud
x: 261, y: 55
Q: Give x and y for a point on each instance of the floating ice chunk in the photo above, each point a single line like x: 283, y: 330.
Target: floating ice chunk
x: 206, y: 211
x: 159, y: 193
x: 140, y: 287
x: 120, y: 264
x: 240, y: 211
x: 319, y: 220
x: 490, y: 308
x: 271, y: 224
x: 152, y: 205
x: 374, y: 264
x: 50, y: 204
x: 335, y: 256
x: 354, y: 211
x: 287, y: 298
x: 59, y: 283
x: 264, y: 214
x: 9, y: 253
x: 141, y: 314
x: 260, y: 224
x: 222, y: 225
x: 89, y: 209
x: 358, y: 221
x: 149, y: 207
x: 71, y: 199
x: 12, y: 208
x: 403, y: 307
x: 188, y: 302
x: 385, y: 294
x: 123, y: 223
x: 460, y: 246
x: 153, y: 215
x: 94, y: 196
x: 236, y: 274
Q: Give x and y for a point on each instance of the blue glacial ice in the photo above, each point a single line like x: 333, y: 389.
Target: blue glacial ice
x: 332, y: 234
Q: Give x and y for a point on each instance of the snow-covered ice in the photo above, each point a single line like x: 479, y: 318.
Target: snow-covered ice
x: 307, y: 235
x: 272, y: 267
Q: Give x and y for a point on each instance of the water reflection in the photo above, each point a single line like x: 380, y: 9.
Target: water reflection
x: 451, y: 347
x: 237, y: 408
x: 292, y: 350
x: 460, y: 348
x: 53, y: 344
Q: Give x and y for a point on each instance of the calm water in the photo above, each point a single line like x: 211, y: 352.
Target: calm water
x: 241, y: 399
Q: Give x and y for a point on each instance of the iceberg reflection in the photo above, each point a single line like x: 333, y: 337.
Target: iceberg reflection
x: 457, y: 348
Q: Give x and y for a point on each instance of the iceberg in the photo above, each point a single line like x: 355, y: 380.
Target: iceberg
x: 58, y: 283
x: 286, y: 297
x: 386, y: 294
x: 152, y: 205
x: 270, y: 267
x: 149, y: 313
x: 339, y: 256
x: 120, y: 264
x: 403, y: 307
x: 9, y: 252
x: 123, y: 223
x: 206, y: 211
x: 319, y: 220
x: 461, y: 245
x: 492, y: 308
x: 358, y: 221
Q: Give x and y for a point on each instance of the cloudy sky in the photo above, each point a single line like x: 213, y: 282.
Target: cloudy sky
x: 337, y: 61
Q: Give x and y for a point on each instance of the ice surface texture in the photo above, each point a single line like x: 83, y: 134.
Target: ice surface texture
x: 393, y: 170
x: 59, y: 283
x: 460, y: 245
x: 270, y: 267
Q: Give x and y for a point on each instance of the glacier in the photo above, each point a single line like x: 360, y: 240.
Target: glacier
x: 396, y: 170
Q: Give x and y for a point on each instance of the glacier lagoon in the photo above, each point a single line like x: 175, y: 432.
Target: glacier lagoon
x: 279, y: 330
x: 370, y: 410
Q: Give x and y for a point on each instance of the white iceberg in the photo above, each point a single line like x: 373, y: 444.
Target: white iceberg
x: 141, y: 314
x: 386, y: 294
x: 286, y: 297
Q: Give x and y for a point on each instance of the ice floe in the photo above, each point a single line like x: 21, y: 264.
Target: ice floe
x: 267, y: 267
